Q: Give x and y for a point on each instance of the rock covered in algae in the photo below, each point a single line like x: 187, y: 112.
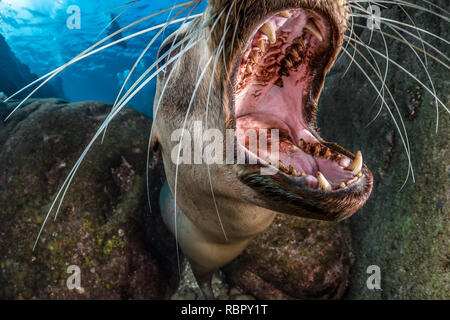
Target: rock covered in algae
x: 103, y: 226
x: 294, y: 259
x: 405, y: 230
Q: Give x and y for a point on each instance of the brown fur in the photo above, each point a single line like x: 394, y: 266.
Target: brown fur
x: 247, y: 201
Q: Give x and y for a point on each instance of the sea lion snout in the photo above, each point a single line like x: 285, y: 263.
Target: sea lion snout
x: 246, y: 70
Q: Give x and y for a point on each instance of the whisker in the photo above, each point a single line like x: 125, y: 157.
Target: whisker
x: 91, y: 53
x: 404, y: 70
x: 389, y: 35
x: 154, y: 64
x: 419, y: 36
x: 405, y: 144
x: 406, y: 25
x: 156, y: 108
x: 87, y: 53
x: 407, y: 4
x: 219, y: 49
x: 392, y: 27
x: 63, y: 190
x: 145, y: 51
x: 194, y: 93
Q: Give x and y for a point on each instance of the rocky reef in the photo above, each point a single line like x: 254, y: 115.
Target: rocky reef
x: 295, y: 259
x: 106, y: 228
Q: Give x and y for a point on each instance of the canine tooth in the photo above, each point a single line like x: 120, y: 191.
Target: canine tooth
x: 303, y: 174
x: 359, y: 175
x: 269, y: 30
x: 284, y: 14
x: 342, y: 185
x: 311, y: 27
x: 249, y: 68
x: 323, y: 182
x: 261, y: 45
x: 351, y: 181
x: 356, y: 165
x: 327, y: 154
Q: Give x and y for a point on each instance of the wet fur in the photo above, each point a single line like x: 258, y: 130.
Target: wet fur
x: 247, y: 202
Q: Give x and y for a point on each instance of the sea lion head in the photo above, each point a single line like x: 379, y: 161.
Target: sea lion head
x: 252, y: 65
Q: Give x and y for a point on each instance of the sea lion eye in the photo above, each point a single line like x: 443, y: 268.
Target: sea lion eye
x: 171, y: 46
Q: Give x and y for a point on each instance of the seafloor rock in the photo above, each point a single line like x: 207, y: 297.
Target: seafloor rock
x: 405, y: 231
x: 14, y: 75
x: 103, y: 226
x: 294, y: 259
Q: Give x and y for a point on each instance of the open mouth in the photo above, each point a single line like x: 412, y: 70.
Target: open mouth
x: 276, y: 86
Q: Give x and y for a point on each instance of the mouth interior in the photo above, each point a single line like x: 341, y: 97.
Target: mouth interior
x: 272, y: 88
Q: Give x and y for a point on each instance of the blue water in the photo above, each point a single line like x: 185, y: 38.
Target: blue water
x: 37, y: 32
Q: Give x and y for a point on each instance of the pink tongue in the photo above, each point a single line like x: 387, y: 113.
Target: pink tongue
x: 290, y: 154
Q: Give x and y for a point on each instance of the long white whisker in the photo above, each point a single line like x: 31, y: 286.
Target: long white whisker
x: 405, y: 144
x: 429, y: 78
x: 181, y: 142
x: 384, y: 87
x: 406, y: 25
x: 217, y: 54
x: 87, y: 53
x: 144, y: 52
x: 407, y: 4
x: 72, y: 173
x: 194, y: 93
x: 156, y: 108
x: 415, y: 47
x: 406, y: 71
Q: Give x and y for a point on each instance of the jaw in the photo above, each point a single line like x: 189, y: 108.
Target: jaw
x: 276, y: 82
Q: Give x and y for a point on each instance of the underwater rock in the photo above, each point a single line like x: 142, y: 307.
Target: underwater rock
x: 14, y: 75
x: 404, y: 231
x: 104, y: 226
x: 295, y: 258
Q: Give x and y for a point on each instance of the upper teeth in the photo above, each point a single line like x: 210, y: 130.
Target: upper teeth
x: 311, y: 26
x: 269, y: 30
x: 285, y: 14
x: 356, y: 166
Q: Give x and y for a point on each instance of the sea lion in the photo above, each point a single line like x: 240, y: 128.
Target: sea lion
x: 273, y: 59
